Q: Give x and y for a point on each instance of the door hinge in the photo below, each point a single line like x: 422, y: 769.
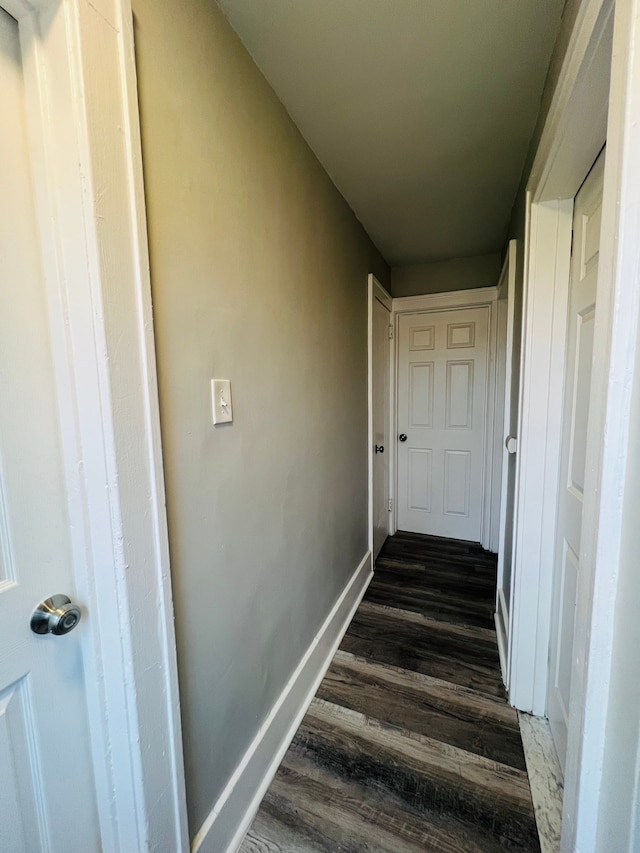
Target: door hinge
x: 390, y: 332
x: 390, y: 504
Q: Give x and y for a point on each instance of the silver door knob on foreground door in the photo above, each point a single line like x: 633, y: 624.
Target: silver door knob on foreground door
x: 402, y: 437
x: 56, y: 615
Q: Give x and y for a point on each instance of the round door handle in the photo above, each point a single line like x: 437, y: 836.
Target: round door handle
x: 379, y: 448
x: 56, y: 615
x: 402, y: 436
x: 511, y: 443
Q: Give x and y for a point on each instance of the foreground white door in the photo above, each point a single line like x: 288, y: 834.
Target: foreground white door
x: 381, y: 323
x: 442, y: 402
x: 508, y: 449
x: 47, y: 800
x: 581, y: 316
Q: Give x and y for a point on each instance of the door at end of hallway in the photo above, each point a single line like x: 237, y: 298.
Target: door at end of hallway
x: 442, y: 408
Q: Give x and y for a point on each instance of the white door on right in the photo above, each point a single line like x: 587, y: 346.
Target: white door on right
x: 442, y: 389
x: 579, y: 354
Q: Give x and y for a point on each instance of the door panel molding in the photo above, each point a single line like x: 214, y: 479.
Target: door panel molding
x: 82, y: 118
x: 575, y: 407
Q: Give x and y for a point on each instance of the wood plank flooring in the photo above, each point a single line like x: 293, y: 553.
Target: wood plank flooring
x: 409, y: 745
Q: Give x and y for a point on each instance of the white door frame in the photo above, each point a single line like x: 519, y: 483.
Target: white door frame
x: 83, y: 127
x: 376, y: 291
x: 574, y: 132
x: 572, y: 138
x: 504, y: 357
x: 504, y: 292
x: 474, y: 298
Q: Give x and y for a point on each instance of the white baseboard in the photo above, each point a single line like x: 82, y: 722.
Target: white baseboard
x: 231, y: 816
x: 502, y: 652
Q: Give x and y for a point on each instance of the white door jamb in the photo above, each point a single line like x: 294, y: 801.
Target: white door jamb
x: 82, y: 115
x: 376, y: 291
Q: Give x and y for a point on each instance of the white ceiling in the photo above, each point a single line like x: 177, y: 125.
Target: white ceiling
x: 421, y: 111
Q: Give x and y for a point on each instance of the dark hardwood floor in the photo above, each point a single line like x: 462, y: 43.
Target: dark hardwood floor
x: 409, y: 745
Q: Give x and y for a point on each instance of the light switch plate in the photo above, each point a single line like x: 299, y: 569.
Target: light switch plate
x: 221, y: 399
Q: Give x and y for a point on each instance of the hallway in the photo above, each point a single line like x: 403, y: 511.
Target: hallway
x: 409, y: 745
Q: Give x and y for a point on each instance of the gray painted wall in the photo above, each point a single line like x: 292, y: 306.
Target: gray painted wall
x: 258, y: 272
x: 445, y: 276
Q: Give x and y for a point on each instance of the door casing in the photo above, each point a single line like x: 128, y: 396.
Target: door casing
x: 597, y: 99
x: 83, y: 136
x: 506, y: 365
x: 376, y: 291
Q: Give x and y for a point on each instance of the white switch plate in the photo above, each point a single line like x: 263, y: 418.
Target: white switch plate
x: 221, y: 399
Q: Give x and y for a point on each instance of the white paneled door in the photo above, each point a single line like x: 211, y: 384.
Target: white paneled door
x: 508, y: 449
x: 381, y: 320
x: 580, y: 327
x: 442, y: 402
x: 47, y: 794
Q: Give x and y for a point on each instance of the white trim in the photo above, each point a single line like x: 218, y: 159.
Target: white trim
x: 504, y: 291
x: 491, y: 489
x: 576, y: 124
x: 572, y: 137
x: 376, y: 291
x: 502, y: 632
x: 506, y: 511
x: 480, y: 297
x: 371, y: 280
x: 497, y: 447
x: 443, y: 301
x: 380, y: 293
x: 502, y: 350
x: 559, y: 167
x: 232, y: 815
x: 81, y: 104
x: 547, y: 256
x: 393, y: 427
x: 608, y: 438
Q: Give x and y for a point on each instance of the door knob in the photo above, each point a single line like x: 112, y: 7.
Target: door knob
x: 379, y: 448
x: 511, y: 444
x: 402, y: 436
x: 55, y: 615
